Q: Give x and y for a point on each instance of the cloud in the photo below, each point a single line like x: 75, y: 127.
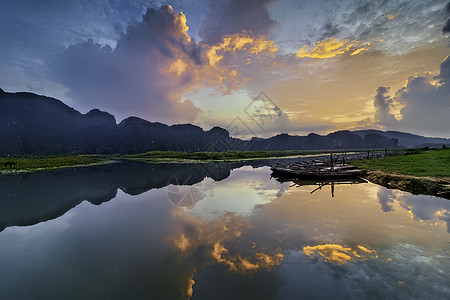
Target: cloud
x: 332, y: 47
x: 154, y: 64
x: 383, y: 104
x: 393, y: 16
x: 212, y: 235
x: 426, y: 208
x: 234, y: 16
x: 426, y: 101
x: 244, y: 265
x: 386, y: 199
x: 446, y: 28
x: 33, y: 32
x: 421, y: 207
x: 240, y: 41
x: 132, y: 78
x: 330, y: 30
x: 338, y: 254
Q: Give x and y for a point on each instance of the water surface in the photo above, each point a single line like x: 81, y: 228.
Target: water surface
x: 218, y: 231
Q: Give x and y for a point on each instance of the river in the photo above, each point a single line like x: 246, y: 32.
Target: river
x: 216, y: 231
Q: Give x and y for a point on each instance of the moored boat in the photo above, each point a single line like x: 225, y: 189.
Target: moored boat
x: 319, y: 174
x: 325, y: 169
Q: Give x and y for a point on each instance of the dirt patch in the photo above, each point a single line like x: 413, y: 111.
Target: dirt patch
x: 436, y: 186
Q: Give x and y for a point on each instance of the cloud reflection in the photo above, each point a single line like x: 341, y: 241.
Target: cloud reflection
x: 386, y: 198
x: 244, y: 265
x: 338, y: 254
x: 190, y: 288
x: 212, y: 237
x: 422, y: 208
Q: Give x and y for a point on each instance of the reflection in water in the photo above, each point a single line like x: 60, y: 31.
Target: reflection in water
x: 338, y: 254
x: 242, y: 265
x: 386, y: 198
x: 190, y: 288
x: 320, y: 183
x: 243, y: 236
x: 30, y: 198
x: 213, y: 235
x: 422, y: 208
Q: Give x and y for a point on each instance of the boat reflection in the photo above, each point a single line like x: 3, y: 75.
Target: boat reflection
x: 320, y: 183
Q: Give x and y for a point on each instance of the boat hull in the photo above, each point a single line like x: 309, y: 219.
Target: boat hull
x: 316, y: 174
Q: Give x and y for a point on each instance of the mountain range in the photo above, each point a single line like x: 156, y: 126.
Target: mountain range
x: 39, y: 125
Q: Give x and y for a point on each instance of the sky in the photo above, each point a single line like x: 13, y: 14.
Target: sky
x: 254, y: 67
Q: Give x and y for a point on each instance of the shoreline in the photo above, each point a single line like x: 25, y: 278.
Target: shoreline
x: 14, y: 172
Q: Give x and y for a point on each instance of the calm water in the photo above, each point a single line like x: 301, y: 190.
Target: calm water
x: 223, y: 231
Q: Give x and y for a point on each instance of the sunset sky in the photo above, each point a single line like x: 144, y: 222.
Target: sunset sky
x: 257, y: 68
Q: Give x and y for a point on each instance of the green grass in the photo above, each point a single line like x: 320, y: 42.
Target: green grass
x: 428, y: 163
x: 215, y: 156
x: 30, y: 163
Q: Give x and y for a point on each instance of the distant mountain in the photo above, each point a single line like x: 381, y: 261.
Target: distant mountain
x: 39, y: 125
x: 32, y: 124
x: 406, y: 139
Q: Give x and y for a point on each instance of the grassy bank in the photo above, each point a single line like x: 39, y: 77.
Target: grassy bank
x: 427, y: 172
x: 428, y: 163
x: 216, y: 156
x: 31, y: 163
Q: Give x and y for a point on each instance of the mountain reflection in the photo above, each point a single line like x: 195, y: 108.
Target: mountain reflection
x: 245, y: 237
x: 30, y: 198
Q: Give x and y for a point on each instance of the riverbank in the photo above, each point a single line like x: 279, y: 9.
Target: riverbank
x: 10, y: 165
x: 425, y: 185
x: 207, y: 157
x: 427, y: 172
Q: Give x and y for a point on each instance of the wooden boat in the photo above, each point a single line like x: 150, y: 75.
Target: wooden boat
x: 317, y: 172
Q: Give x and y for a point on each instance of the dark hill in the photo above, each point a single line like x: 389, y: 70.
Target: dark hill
x: 32, y: 124
x: 39, y: 125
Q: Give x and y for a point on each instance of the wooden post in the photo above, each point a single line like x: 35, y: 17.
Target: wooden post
x: 331, y: 161
x: 332, y: 189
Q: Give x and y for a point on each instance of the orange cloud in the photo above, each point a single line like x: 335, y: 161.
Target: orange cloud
x: 332, y: 47
x: 337, y: 254
x: 244, y: 265
x: 213, y: 235
x: 240, y: 41
x: 183, y: 71
x: 392, y: 17
x: 180, y: 22
x: 190, y: 288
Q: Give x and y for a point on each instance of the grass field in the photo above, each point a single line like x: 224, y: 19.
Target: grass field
x: 13, y: 164
x: 427, y: 163
x: 30, y: 163
x: 216, y: 156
